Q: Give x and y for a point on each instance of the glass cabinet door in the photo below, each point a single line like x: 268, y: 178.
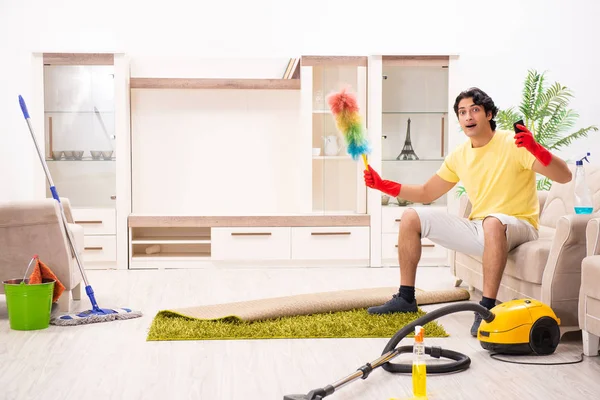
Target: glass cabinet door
x: 338, y: 186
x: 414, y: 125
x: 80, y: 133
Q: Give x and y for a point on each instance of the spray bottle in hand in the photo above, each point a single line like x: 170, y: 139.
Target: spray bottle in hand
x: 419, y: 368
x: 583, y: 197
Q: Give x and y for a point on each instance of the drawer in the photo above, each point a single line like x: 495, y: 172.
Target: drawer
x: 96, y: 221
x: 429, y: 250
x: 99, y: 248
x: 330, y: 243
x: 252, y: 243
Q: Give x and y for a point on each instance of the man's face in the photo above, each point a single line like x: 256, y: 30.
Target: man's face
x: 472, y: 117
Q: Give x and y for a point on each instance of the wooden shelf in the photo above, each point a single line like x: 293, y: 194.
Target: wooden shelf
x: 210, y: 83
x: 165, y: 240
x: 171, y: 221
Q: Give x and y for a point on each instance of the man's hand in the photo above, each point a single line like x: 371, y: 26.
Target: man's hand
x: 374, y: 181
x: 525, y: 138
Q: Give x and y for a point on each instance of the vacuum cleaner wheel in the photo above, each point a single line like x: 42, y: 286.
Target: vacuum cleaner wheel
x: 544, y: 336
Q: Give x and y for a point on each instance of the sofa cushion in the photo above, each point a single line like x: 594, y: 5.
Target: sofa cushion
x: 527, y: 261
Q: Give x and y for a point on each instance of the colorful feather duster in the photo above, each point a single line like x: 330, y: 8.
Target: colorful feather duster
x: 344, y: 108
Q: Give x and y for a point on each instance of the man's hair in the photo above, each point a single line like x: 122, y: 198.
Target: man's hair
x: 481, y: 99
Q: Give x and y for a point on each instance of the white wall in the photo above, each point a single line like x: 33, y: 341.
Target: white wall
x: 496, y: 43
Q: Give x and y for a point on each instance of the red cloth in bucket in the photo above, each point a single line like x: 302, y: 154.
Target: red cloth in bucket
x: 42, y: 271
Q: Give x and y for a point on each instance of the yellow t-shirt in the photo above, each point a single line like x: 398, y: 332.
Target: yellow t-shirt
x: 497, y: 177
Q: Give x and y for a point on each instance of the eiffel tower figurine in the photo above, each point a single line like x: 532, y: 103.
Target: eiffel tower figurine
x: 407, y: 151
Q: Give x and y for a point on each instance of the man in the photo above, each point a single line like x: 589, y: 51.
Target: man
x: 498, y: 170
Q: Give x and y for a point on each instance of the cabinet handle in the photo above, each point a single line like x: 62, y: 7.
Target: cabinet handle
x: 113, y: 197
x: 92, y: 248
x: 424, y: 245
x: 329, y: 233
x: 88, y: 222
x: 397, y: 220
x: 250, y: 233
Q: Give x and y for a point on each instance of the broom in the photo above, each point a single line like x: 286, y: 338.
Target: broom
x: 96, y: 314
x: 344, y: 108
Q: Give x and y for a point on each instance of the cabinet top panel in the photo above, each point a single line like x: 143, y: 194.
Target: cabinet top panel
x: 245, y: 221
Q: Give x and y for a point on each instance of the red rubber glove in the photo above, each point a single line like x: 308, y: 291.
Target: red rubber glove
x: 526, y: 139
x: 374, y: 181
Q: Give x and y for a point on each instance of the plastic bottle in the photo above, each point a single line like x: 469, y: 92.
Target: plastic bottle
x: 583, y: 197
x: 419, y: 368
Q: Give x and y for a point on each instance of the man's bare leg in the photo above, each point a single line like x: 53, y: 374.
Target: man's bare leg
x: 495, y: 253
x: 409, y: 247
x: 409, y: 254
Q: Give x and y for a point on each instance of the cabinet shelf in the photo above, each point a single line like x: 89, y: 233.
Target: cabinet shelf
x: 83, y: 159
x: 77, y: 112
x: 213, y: 83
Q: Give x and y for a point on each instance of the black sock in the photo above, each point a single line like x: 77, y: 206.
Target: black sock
x: 407, y: 293
x: 488, y: 303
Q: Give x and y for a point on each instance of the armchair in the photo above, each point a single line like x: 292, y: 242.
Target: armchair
x: 36, y: 227
x: 549, y: 268
x: 589, y: 293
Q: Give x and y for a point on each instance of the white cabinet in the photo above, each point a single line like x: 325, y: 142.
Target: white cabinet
x: 409, y: 118
x: 336, y: 180
x: 85, y: 102
x: 100, y: 236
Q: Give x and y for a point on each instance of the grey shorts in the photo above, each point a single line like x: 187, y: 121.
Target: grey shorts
x: 466, y: 236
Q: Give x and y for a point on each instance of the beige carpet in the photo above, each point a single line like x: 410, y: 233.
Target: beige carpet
x: 307, y: 304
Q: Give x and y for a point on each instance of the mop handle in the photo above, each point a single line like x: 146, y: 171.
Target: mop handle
x: 47, y: 172
x: 57, y: 198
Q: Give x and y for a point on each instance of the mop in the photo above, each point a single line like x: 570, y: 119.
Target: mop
x: 344, y: 107
x: 96, y: 314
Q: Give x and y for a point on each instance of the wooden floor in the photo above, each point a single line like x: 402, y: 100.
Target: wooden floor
x: 114, y: 361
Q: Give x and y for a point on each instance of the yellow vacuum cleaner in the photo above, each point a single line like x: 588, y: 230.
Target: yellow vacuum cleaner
x: 523, y: 326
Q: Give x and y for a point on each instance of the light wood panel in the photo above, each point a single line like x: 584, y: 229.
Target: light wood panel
x: 358, y: 61
x: 79, y: 58
x: 214, y: 83
x: 137, y: 221
x: 420, y: 61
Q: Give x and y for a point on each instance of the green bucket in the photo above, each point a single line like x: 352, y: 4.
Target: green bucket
x: 29, y: 306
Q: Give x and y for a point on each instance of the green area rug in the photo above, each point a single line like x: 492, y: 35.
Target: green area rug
x: 340, y: 324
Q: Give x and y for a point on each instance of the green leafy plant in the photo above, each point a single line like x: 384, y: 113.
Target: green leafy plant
x: 544, y: 109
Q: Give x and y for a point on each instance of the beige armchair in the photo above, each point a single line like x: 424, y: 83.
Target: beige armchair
x: 549, y: 268
x: 589, y: 293
x: 35, y: 227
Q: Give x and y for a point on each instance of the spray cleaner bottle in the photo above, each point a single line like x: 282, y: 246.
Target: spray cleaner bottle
x: 583, y: 197
x: 419, y: 368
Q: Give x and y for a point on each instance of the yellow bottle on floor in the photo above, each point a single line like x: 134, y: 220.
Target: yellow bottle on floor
x: 419, y: 368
